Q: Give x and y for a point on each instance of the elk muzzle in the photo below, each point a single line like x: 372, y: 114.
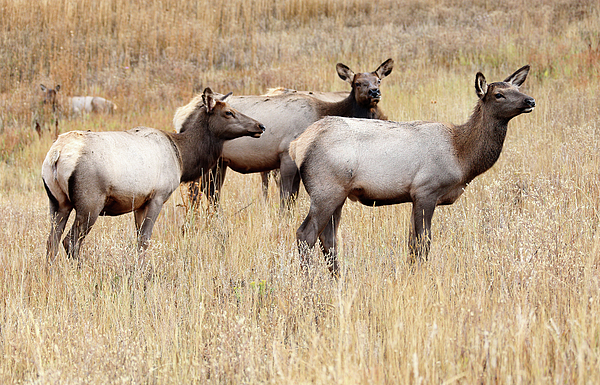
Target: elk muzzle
x: 529, y: 105
x: 257, y: 134
x: 375, y: 94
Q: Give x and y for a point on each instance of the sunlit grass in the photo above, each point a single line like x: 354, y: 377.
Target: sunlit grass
x: 510, y: 293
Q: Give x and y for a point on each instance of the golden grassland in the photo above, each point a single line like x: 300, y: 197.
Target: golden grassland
x: 510, y: 293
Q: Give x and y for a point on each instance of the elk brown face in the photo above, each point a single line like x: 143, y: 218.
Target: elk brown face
x: 50, y: 96
x: 365, y: 85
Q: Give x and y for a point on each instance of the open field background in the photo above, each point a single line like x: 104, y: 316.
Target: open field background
x: 511, y: 293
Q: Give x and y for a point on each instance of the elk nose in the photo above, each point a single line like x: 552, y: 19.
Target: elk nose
x: 262, y: 127
x: 530, y: 102
x: 375, y: 93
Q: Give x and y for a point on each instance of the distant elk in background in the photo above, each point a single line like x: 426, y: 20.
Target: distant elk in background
x: 74, y: 106
x: 78, y: 104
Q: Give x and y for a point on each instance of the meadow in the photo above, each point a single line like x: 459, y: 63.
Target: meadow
x: 510, y: 293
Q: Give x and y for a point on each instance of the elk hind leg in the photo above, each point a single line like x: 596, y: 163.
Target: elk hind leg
x: 289, y: 184
x: 59, y: 215
x: 58, y: 219
x: 328, y: 241
x: 319, y: 215
x: 144, y: 222
x: 84, y: 220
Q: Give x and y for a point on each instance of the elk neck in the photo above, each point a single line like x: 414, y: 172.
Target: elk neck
x: 478, y: 143
x: 198, y: 149
x: 350, y: 108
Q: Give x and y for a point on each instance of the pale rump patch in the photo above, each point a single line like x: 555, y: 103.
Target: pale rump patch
x: 61, y: 161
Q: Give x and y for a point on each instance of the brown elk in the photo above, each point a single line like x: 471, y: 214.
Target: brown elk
x: 77, y: 105
x: 384, y: 163
x: 113, y: 173
x: 286, y: 116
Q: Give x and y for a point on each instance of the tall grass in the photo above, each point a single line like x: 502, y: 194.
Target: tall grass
x: 510, y: 293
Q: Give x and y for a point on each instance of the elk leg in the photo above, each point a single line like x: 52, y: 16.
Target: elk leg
x: 144, y: 222
x: 265, y: 180
x: 212, y: 182
x: 58, y: 217
x: 328, y: 238
x: 265, y: 183
x: 84, y: 220
x: 194, y: 192
x: 319, y: 215
x: 290, y: 181
x: 420, y: 232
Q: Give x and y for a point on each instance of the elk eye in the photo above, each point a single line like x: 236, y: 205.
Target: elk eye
x: 499, y: 96
x: 229, y: 113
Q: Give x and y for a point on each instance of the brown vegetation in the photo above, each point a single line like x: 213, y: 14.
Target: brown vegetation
x: 511, y: 291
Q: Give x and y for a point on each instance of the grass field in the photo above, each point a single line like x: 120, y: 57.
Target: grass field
x: 511, y: 291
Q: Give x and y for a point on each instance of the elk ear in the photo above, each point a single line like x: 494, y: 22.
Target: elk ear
x: 224, y: 98
x: 208, y: 99
x: 480, y: 85
x: 385, y: 68
x: 345, y: 73
x: 57, y: 88
x: 518, y: 77
x: 43, y: 87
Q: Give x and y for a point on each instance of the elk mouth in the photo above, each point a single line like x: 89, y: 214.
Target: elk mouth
x: 527, y: 110
x: 373, y: 102
x: 257, y: 134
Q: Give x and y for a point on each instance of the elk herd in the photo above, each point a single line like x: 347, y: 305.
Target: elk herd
x: 339, y: 145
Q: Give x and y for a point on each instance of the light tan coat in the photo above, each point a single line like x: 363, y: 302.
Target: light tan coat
x: 113, y: 173
x: 286, y: 116
x: 382, y: 163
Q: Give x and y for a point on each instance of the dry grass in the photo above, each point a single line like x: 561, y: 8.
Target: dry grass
x: 510, y: 293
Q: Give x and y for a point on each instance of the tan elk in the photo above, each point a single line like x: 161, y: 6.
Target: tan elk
x: 334, y: 96
x: 113, y: 173
x: 77, y: 105
x: 385, y: 163
x: 286, y: 116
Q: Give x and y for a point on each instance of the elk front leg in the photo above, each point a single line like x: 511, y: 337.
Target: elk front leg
x: 212, y: 182
x: 420, y: 232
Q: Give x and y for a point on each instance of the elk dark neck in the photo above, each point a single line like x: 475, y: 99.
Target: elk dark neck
x: 478, y: 142
x: 350, y: 108
x: 198, y: 152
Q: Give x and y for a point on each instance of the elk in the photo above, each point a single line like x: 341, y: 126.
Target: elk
x: 333, y: 97
x: 286, y: 116
x: 77, y: 105
x: 384, y: 163
x: 113, y: 173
